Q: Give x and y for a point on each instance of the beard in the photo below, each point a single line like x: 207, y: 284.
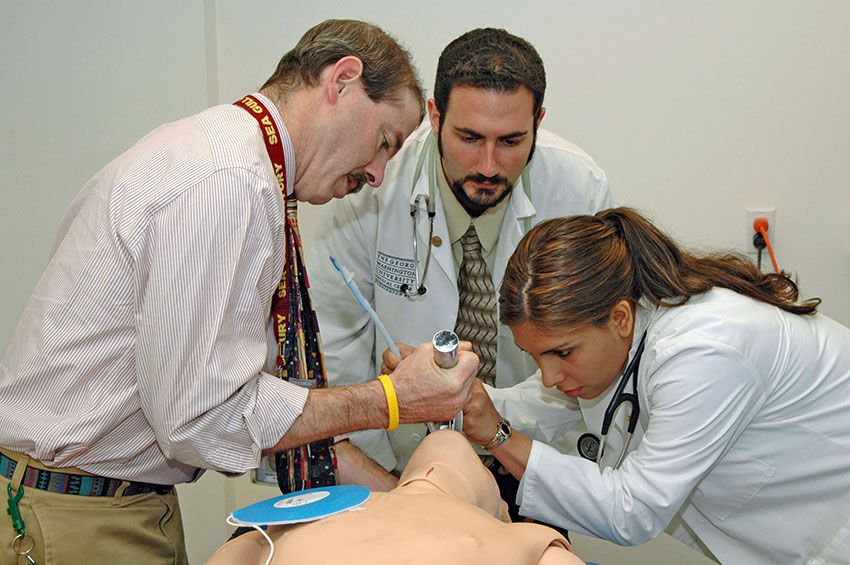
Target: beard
x: 477, y: 206
x: 482, y: 199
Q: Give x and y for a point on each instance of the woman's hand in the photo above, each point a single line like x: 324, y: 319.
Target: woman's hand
x: 480, y: 424
x: 480, y: 418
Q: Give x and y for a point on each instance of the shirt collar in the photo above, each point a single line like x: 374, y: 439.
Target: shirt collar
x: 488, y: 225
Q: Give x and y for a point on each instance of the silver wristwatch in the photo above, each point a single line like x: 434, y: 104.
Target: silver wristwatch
x: 503, y: 432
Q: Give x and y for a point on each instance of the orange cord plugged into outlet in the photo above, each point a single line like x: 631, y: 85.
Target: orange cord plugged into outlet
x: 760, y: 225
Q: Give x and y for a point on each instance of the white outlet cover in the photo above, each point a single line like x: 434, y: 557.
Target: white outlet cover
x: 752, y: 214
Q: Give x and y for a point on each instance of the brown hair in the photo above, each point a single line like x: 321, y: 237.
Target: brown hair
x: 572, y: 271
x: 492, y: 59
x: 489, y: 59
x: 387, y: 66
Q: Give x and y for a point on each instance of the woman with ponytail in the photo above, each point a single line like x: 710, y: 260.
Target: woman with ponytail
x: 737, y: 393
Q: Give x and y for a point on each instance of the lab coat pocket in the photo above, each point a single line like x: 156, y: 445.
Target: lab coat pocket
x: 731, y: 484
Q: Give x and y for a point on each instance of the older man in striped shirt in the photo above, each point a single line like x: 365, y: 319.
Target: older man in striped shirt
x: 142, y: 356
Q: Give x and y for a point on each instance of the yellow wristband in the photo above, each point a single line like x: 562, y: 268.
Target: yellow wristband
x: 392, y: 401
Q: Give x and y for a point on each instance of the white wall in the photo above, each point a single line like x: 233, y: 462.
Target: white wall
x: 696, y: 110
x: 81, y: 82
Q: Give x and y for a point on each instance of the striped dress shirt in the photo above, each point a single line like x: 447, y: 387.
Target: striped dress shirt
x: 141, y: 353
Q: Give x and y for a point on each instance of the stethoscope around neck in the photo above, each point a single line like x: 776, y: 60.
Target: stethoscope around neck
x: 429, y: 153
x: 592, y: 447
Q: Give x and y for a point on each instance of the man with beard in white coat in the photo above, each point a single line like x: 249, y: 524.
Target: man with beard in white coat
x: 479, y: 161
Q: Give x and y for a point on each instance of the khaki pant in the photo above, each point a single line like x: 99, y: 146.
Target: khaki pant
x: 75, y: 530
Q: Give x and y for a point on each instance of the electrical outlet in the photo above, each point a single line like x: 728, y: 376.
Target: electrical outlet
x: 752, y: 214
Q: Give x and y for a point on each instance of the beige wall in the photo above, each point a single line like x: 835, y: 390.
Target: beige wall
x: 696, y: 110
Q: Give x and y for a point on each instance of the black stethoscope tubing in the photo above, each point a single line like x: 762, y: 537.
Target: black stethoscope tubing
x: 588, y: 444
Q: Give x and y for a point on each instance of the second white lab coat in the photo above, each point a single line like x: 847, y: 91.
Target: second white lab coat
x: 746, y: 453
x: 371, y: 234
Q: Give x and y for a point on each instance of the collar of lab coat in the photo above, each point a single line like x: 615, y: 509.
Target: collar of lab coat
x: 513, y: 227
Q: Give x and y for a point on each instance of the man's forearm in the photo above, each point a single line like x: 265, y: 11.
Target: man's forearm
x: 424, y: 393
x: 337, y: 410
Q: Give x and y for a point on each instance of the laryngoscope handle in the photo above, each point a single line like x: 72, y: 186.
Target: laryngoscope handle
x: 445, y: 344
x: 445, y: 348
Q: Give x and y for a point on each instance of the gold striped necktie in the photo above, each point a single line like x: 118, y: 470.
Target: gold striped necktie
x: 476, y: 319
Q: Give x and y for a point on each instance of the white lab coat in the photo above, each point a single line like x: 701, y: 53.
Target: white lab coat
x: 746, y: 453
x: 371, y: 234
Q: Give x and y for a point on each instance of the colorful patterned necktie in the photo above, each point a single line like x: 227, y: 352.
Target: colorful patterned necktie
x: 296, y: 328
x: 476, y: 317
x: 300, y: 361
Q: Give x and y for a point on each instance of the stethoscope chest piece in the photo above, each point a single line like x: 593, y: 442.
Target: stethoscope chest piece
x: 588, y: 446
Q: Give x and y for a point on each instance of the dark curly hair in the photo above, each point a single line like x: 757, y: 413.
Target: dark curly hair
x: 492, y: 59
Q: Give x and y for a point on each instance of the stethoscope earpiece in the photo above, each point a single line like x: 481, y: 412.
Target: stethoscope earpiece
x: 405, y: 290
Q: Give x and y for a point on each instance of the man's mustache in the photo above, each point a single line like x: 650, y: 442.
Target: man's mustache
x: 360, y: 179
x: 481, y: 179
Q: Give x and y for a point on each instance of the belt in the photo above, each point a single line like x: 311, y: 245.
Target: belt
x: 71, y: 483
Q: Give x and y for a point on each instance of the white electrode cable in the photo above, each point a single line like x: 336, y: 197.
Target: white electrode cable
x: 232, y: 522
